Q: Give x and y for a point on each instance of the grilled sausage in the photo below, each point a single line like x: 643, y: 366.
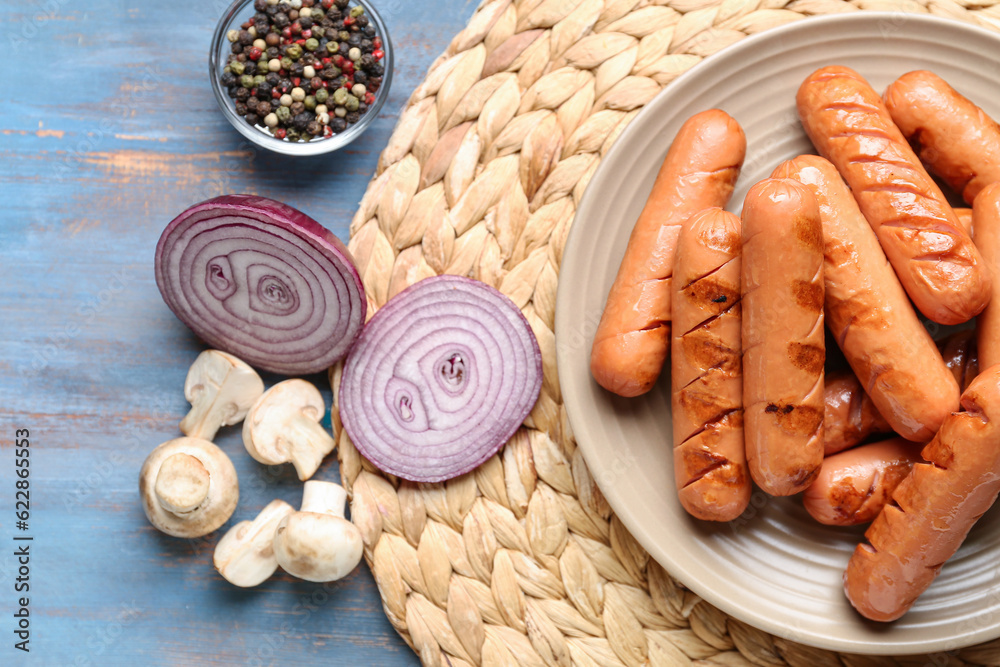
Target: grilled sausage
x: 956, y: 139
x: 961, y: 356
x: 936, y: 261
x: 964, y: 216
x: 707, y: 398
x: 869, y: 315
x: 783, y: 339
x: 932, y: 509
x: 986, y: 226
x: 633, y: 337
x: 853, y: 486
x: 849, y: 416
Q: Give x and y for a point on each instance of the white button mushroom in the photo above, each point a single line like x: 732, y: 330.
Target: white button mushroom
x: 317, y: 543
x: 283, y: 426
x: 245, y: 555
x: 188, y: 487
x: 221, y: 389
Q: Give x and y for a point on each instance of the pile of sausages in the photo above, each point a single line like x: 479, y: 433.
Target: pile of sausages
x: 853, y: 241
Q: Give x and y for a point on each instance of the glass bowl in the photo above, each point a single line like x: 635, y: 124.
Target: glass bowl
x: 240, y: 11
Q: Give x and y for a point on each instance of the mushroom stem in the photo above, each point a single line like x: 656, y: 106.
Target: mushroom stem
x: 308, y: 445
x: 327, y: 498
x: 181, y: 483
x: 195, y: 423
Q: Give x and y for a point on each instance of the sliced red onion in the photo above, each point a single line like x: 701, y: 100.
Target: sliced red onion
x: 263, y: 281
x: 440, y: 378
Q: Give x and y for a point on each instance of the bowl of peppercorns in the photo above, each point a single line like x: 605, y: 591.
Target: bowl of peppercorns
x: 301, y: 77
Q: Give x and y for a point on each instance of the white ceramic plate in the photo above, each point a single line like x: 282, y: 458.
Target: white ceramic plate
x: 773, y: 567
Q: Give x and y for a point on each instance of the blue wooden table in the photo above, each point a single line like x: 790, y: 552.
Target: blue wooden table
x: 108, y: 129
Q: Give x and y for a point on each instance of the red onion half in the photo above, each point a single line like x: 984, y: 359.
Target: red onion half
x: 263, y: 281
x: 440, y: 378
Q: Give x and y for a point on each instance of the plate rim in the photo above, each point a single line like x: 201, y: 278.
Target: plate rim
x: 734, y: 609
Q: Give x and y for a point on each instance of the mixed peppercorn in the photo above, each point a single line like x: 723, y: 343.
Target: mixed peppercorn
x: 304, y: 69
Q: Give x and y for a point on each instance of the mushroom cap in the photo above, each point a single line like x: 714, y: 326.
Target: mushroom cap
x: 245, y: 556
x: 188, y: 487
x: 318, y: 543
x: 317, y: 547
x: 221, y: 388
x: 267, y: 427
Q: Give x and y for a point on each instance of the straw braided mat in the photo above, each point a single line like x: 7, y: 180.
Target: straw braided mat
x: 522, y: 562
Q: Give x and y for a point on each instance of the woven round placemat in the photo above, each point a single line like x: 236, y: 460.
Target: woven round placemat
x: 522, y: 562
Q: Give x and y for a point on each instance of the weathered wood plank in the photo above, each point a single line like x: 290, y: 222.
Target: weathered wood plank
x: 108, y: 129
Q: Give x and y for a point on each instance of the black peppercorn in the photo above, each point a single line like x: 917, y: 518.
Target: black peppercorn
x: 280, y: 25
